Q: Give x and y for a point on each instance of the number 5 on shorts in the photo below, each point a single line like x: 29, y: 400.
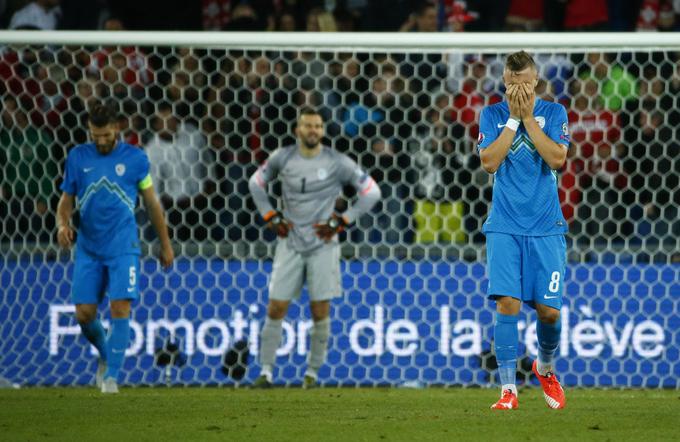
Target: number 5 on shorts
x: 133, y: 276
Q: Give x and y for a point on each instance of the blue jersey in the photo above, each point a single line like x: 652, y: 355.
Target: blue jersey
x: 525, y: 200
x: 105, y: 187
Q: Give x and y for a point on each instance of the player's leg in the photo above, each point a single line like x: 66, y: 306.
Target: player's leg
x: 504, y: 268
x: 122, y: 289
x: 91, y: 326
x: 549, y: 261
x: 86, y: 292
x: 270, y: 339
x: 284, y: 286
x: 324, y: 283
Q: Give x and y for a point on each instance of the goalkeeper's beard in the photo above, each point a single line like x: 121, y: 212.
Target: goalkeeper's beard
x: 311, y: 142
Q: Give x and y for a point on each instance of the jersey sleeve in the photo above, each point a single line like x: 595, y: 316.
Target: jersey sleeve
x: 269, y: 170
x: 70, y: 183
x: 487, y: 131
x: 368, y: 192
x: 144, y: 176
x: 350, y: 173
x: 257, y: 184
x: 558, y: 130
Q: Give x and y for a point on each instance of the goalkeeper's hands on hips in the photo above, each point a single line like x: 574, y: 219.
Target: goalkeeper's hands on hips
x: 332, y: 226
x: 278, y: 223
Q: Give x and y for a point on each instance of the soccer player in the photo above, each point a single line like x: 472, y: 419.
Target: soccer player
x: 104, y: 178
x: 312, y: 177
x: 523, y: 141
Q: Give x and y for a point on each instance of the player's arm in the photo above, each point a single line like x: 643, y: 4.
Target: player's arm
x: 65, y: 233
x: 553, y: 153
x: 257, y: 184
x: 157, y: 218
x: 493, y: 154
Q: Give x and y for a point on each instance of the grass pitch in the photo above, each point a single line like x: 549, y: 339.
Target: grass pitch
x: 333, y: 414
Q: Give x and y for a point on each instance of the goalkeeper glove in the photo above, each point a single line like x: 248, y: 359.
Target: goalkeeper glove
x: 278, y: 223
x: 334, y: 225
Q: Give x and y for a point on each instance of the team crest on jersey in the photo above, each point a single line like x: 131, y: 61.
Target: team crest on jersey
x: 120, y: 169
x: 322, y: 173
x: 480, y: 138
x: 541, y: 122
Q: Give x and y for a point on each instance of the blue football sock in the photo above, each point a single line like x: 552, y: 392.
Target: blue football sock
x: 94, y: 332
x: 119, y: 337
x: 548, y: 340
x: 506, y: 338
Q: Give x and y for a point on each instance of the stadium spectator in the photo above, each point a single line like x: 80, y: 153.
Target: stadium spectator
x: 390, y: 166
x: 590, y: 126
x: 29, y: 174
x: 457, y: 15
x: 423, y: 19
x: 586, y: 15
x: 182, y: 169
x: 439, y: 164
x: 655, y: 15
x: 319, y: 20
x: 122, y: 66
x: 616, y: 84
x: 285, y: 22
x: 243, y: 18
x: 525, y: 16
x: 39, y: 14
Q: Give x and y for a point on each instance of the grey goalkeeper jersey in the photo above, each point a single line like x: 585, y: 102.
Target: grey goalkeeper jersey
x: 310, y: 188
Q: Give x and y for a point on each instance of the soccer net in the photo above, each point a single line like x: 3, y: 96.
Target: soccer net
x: 208, y: 108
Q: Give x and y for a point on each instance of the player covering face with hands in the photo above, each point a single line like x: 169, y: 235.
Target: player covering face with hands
x: 522, y: 141
x: 312, y: 177
x: 104, y: 178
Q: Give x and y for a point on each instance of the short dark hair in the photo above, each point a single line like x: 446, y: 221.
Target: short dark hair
x: 422, y: 7
x: 519, y: 61
x: 308, y: 110
x: 102, y: 114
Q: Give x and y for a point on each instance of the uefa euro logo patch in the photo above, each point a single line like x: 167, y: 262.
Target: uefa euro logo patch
x: 480, y: 138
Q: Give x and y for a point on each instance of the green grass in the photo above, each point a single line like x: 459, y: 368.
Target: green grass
x: 335, y: 414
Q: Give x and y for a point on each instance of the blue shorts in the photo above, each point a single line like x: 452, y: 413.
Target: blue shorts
x: 94, y: 277
x: 529, y: 268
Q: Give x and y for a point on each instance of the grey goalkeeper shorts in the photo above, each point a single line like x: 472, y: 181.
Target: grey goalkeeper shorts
x: 320, y: 268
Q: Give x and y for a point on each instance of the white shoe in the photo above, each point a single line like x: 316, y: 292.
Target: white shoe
x: 101, y: 369
x: 109, y: 385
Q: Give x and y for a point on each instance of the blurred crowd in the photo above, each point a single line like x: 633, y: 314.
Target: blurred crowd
x: 343, y: 15
x: 207, y: 118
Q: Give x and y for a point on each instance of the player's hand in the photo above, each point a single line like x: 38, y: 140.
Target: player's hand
x: 528, y: 98
x: 65, y: 236
x: 166, y: 255
x: 512, y: 93
x: 278, y: 224
x: 331, y: 227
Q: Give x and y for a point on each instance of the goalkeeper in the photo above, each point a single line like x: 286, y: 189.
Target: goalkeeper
x: 312, y: 177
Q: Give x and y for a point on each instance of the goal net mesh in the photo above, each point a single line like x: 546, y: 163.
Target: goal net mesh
x: 413, y: 310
